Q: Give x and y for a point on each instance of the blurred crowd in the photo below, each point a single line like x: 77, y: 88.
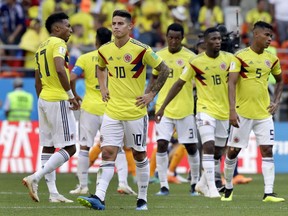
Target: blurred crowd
x: 22, y: 23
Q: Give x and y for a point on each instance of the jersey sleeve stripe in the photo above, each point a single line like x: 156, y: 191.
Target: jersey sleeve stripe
x: 274, y: 63
x: 106, y: 62
x: 139, y: 64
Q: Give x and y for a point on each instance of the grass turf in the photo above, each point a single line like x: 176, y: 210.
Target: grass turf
x: 247, y: 199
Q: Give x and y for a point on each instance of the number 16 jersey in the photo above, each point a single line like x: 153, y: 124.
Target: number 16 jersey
x: 211, y: 76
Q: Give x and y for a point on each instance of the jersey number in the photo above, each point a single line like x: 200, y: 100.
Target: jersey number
x: 43, y: 53
x: 137, y: 139
x: 120, y: 72
x: 258, y: 72
x: 216, y: 79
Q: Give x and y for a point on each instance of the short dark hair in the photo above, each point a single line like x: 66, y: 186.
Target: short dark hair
x: 122, y: 13
x: 175, y: 27
x: 210, y: 30
x: 54, y: 18
x: 103, y: 35
x: 261, y: 24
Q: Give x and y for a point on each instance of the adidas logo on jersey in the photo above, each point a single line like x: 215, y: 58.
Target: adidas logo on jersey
x: 110, y: 59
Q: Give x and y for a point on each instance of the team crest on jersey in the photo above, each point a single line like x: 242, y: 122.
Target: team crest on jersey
x: 223, y: 66
x: 127, y: 57
x: 236, y: 140
x: 180, y: 62
x: 268, y: 63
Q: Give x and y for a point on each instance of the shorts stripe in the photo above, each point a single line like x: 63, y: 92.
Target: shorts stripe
x: 144, y: 130
x: 64, y: 121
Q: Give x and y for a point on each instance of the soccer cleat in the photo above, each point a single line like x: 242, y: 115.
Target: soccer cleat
x: 91, y: 202
x: 163, y: 192
x: 57, y: 198
x: 213, y: 193
x: 240, y: 179
x: 125, y: 189
x: 202, y: 188
x: 193, y: 192
x: 181, y: 179
x: 32, y: 185
x: 228, y: 195
x: 173, y: 179
x: 80, y: 190
x: 272, y: 198
x: 153, y: 180
x: 141, y: 205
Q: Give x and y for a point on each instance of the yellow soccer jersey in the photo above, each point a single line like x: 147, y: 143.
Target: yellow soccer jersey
x: 92, y: 101
x: 252, y: 97
x: 183, y: 104
x: 211, y: 83
x: 52, y: 89
x: 126, y: 76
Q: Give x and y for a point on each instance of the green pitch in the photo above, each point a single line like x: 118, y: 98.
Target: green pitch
x: 247, y: 200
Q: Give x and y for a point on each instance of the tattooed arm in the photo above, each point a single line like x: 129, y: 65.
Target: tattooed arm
x: 164, y: 71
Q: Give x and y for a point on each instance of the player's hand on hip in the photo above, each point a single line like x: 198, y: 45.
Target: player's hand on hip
x: 234, y: 119
x: 144, y: 100
x: 74, y: 104
x: 105, y: 94
x: 158, y: 115
x: 78, y: 98
x: 272, y: 108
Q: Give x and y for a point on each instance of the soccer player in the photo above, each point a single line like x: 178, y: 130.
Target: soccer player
x: 210, y: 68
x: 57, y: 126
x: 126, y: 113
x: 251, y: 109
x: 179, y: 112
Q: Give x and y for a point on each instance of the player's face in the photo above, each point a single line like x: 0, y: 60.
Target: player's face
x: 213, y: 41
x: 174, y: 39
x: 264, y: 37
x: 121, y: 27
x: 65, y: 30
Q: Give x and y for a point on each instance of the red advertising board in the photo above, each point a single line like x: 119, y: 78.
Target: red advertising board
x: 20, y: 151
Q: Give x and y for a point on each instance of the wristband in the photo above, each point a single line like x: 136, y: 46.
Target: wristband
x: 70, y: 94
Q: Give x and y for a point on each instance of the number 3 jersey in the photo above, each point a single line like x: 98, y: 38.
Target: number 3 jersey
x: 126, y: 77
x: 52, y: 89
x: 211, y: 76
x: 252, y: 97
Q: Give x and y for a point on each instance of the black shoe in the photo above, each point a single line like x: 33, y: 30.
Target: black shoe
x: 141, y: 205
x: 228, y: 195
x: 193, y: 192
x: 163, y: 192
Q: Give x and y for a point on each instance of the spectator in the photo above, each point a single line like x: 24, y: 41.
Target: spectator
x: 279, y: 13
x: 210, y: 15
x: 29, y: 43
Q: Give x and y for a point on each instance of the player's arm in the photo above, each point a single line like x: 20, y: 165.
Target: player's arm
x: 175, y: 89
x: 76, y: 72
x: 232, y: 82
x: 59, y: 65
x: 164, y: 71
x: 102, y: 80
x: 151, y: 83
x: 272, y: 108
x: 38, y: 83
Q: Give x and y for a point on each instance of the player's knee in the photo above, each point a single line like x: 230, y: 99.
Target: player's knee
x: 208, y: 147
x: 162, y: 146
x: 191, y: 148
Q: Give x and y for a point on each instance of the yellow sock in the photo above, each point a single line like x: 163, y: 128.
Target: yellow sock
x: 153, y: 162
x: 180, y: 152
x: 130, y: 161
x: 94, y: 153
